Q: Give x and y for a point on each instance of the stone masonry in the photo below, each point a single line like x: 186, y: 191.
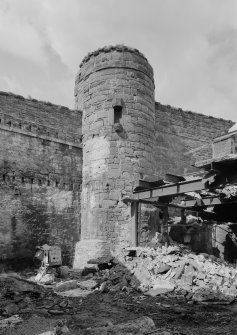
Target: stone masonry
x: 63, y: 172
x: 115, y: 90
x: 40, y: 177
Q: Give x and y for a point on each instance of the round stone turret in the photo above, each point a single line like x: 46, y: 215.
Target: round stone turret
x: 115, y: 90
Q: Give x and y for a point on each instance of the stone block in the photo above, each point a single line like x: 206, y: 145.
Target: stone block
x: 89, y: 284
x: 65, y: 286
x: 187, y: 279
x: 160, y: 287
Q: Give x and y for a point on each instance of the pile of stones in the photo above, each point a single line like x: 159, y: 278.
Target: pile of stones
x: 155, y: 271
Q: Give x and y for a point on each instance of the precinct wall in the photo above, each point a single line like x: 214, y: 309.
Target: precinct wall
x: 40, y: 176
x: 183, y: 137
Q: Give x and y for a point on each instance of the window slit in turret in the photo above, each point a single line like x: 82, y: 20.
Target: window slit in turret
x: 117, y: 114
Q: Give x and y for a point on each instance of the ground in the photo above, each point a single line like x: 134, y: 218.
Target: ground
x: 41, y: 309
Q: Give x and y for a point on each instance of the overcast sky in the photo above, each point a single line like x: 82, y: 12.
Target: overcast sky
x: 191, y: 45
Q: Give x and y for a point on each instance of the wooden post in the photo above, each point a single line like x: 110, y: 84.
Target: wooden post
x: 183, y: 216
x: 165, y: 220
x: 134, y: 224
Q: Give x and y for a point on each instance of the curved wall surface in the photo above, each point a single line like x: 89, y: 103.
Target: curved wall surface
x: 115, y: 90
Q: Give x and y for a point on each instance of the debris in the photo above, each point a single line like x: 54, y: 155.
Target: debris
x: 63, y: 271
x: 162, y: 270
x: 43, y: 277
x: 141, y: 326
x: 229, y: 192
x: 160, y: 287
x: 103, y: 287
x: 89, y: 284
x: 10, y: 322
x: 65, y: 286
x: 47, y: 279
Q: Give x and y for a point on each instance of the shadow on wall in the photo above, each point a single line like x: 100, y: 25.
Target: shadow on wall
x: 217, y: 240
x: 149, y: 224
x: 197, y: 237
x: 224, y: 241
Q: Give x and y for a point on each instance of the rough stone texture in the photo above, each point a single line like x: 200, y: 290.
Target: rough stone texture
x: 141, y: 326
x: 183, y: 137
x: 41, y: 157
x: 40, y: 177
x: 114, y: 161
x: 39, y: 118
x: 225, y: 145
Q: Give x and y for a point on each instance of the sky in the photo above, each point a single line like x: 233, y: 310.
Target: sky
x: 191, y: 45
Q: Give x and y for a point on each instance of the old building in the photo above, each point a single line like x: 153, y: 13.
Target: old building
x: 64, y: 172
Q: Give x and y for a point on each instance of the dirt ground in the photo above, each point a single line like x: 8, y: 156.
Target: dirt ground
x: 174, y: 315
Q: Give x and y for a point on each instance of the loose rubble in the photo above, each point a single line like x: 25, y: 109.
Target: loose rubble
x: 171, y: 277
x: 155, y: 271
x: 141, y: 326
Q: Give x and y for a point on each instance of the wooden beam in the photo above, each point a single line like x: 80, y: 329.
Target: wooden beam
x: 172, y: 189
x: 172, y: 178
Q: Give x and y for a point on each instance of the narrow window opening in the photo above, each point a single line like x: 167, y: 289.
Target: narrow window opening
x: 40, y: 182
x: 13, y: 178
x: 56, y: 183
x: 48, y: 183
x: 32, y: 180
x: 22, y: 180
x: 4, y: 177
x: 117, y: 114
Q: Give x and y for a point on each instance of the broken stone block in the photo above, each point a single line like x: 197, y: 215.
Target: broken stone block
x: 76, y: 292
x: 219, y: 280
x: 47, y: 279
x: 160, y: 287
x: 103, y: 287
x: 89, y: 270
x: 179, y: 271
x: 10, y: 322
x: 194, y: 265
x: 142, y: 274
x: 200, y: 283
x: 63, y: 271
x: 206, y: 295
x: 163, y: 269
x: 89, y: 284
x: 10, y: 309
x: 200, y: 275
x: 231, y: 291
x: 65, y: 286
x: 141, y: 326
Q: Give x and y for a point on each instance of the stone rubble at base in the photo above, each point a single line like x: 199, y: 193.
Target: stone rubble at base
x: 156, y: 271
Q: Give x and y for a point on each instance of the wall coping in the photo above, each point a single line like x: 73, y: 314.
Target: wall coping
x: 176, y: 109
x: 118, y: 47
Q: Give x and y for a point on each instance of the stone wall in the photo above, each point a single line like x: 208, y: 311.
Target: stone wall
x: 183, y: 137
x: 40, y: 176
x: 126, y: 137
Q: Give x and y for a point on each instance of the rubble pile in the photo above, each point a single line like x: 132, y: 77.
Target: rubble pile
x: 155, y: 271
